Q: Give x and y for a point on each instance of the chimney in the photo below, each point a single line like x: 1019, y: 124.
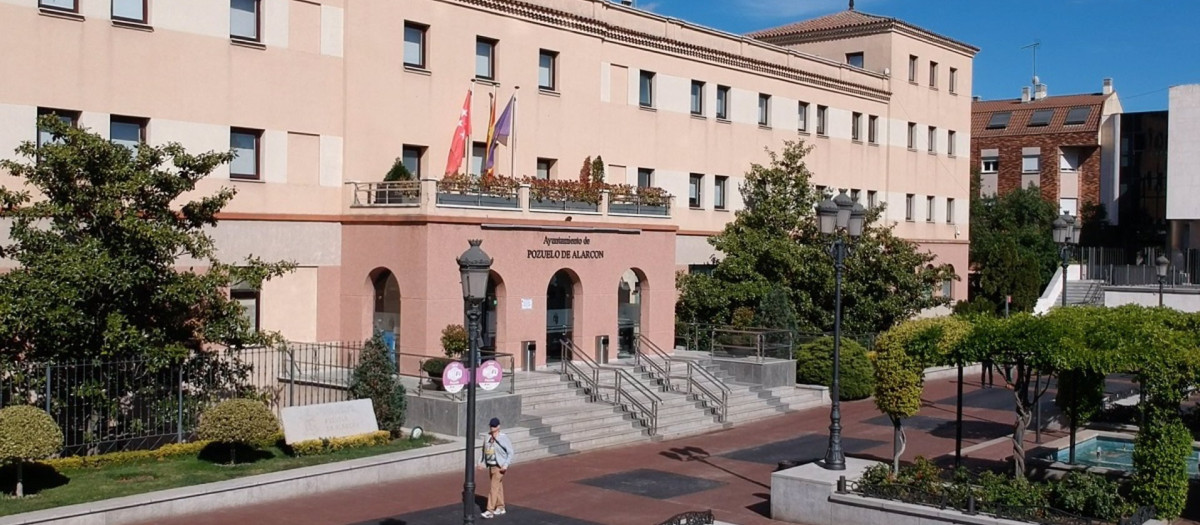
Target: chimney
x: 1107, y: 87
x: 976, y: 98
x: 627, y: 2
x: 1039, y: 92
x: 1025, y: 94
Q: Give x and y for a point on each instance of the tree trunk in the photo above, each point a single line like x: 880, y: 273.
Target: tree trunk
x: 899, y: 443
x: 1022, y: 424
x: 1071, y: 458
x: 20, y: 479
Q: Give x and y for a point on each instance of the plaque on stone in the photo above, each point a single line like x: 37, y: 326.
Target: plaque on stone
x: 329, y: 420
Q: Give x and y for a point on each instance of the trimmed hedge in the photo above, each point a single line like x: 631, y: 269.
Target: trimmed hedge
x: 1160, y: 455
x: 315, y: 447
x: 126, y: 456
x: 375, y: 378
x: 814, y: 366
x: 238, y: 421
x: 28, y: 433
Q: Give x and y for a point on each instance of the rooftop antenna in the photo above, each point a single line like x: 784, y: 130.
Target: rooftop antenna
x: 851, y: 5
x: 1035, y: 45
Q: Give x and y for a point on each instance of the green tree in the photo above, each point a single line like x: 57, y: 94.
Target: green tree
x: 814, y: 366
x: 1080, y: 396
x: 1012, y: 247
x: 774, y: 241
x: 375, y: 378
x: 776, y: 311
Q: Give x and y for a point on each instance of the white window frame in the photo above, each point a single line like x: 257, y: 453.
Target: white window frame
x: 856, y: 127
x: 951, y: 136
x: 720, y: 187
x: 932, y: 146
x: 696, y: 93
x: 415, y: 168
x: 488, y: 61
x: 1031, y: 164
x: 802, y: 114
x: 873, y: 129
x: 696, y: 190
x: 993, y: 161
x: 764, y: 110
x: 822, y: 121
x: 910, y: 202
x: 233, y: 16
x: 257, y: 134
x: 950, y: 210
x: 122, y: 10
x: 930, y: 204
x: 646, y: 82
x: 548, y: 172
x: 722, y: 102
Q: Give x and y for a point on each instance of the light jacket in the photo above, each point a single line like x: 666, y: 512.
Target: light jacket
x: 504, y: 450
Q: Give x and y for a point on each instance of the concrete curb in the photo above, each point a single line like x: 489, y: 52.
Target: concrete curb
x: 252, y: 490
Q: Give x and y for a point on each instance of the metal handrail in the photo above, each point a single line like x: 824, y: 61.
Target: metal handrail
x: 650, y: 415
x: 643, y: 342
x: 390, y: 193
x: 581, y: 375
x: 722, y: 403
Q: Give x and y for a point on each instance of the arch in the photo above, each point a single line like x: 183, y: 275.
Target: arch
x: 561, y: 290
x: 493, y: 321
x: 385, y: 304
x: 632, y: 314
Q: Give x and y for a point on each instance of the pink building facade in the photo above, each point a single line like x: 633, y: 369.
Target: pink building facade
x: 319, y: 98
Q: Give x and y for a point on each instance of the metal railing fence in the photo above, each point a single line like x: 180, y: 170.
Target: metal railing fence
x: 726, y: 341
x: 1120, y: 267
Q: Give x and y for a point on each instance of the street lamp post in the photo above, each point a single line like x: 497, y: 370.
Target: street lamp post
x: 840, y: 218
x: 1065, y: 236
x: 1161, y: 264
x: 473, y: 267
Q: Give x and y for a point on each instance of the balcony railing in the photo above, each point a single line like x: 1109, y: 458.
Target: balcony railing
x: 399, y: 193
x: 644, y: 201
x: 478, y: 195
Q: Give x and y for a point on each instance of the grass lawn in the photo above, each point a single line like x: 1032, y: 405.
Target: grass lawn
x: 46, y: 488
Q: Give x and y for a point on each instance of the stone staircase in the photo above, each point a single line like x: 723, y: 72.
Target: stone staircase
x: 1085, y: 292
x: 558, y: 417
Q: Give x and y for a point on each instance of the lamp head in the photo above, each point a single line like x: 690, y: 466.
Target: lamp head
x: 827, y: 215
x: 1162, y: 264
x: 473, y: 267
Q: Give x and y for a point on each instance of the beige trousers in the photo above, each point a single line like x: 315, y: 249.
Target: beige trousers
x: 496, y: 489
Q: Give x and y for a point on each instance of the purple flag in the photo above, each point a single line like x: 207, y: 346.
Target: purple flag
x: 502, y: 130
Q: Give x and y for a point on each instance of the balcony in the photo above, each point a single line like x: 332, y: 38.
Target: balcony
x: 502, y: 196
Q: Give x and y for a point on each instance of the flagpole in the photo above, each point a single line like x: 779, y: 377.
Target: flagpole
x: 512, y: 136
x: 470, y: 145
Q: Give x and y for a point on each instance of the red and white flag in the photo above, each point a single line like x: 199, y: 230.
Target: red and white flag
x: 458, y: 145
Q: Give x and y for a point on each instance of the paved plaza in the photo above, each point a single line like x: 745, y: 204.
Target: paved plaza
x: 728, y: 472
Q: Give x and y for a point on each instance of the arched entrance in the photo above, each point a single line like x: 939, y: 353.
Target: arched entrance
x: 385, y: 316
x: 629, y: 311
x: 560, y: 313
x: 492, y: 309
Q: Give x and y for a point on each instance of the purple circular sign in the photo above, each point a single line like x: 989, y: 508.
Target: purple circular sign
x: 489, y: 374
x: 454, y: 377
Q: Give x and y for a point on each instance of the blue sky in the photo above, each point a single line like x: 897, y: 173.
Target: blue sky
x: 1145, y: 46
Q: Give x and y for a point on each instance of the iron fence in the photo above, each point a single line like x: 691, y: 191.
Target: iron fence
x: 727, y: 341
x: 1120, y: 267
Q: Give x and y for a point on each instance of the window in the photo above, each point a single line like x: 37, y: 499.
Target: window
x: 1077, y: 115
x: 645, y: 177
x: 720, y: 184
x: 485, y: 58
x: 545, y: 168
x: 932, y: 139
x: 69, y: 117
x: 821, y: 192
x: 646, y: 89
x: 764, y: 110
x: 248, y: 298
x: 478, y: 152
x: 999, y: 120
x: 873, y: 129
x: 855, y: 126
x: 1068, y: 159
x: 697, y: 97
x: 912, y: 135
x: 1041, y: 117
x: 127, y: 131
x: 1030, y: 164
x: 821, y: 112
x: 933, y: 74
x: 951, y: 136
x: 949, y: 211
x: 246, y: 145
x: 414, y: 44
x: 909, y: 204
x: 694, y: 183
x: 723, y: 102
x: 912, y: 68
x: 803, y: 113
x: 872, y: 198
x: 245, y: 19
x: 855, y: 59
x: 947, y: 288
x: 855, y: 194
x: 990, y: 165
x: 62, y: 5
x: 129, y: 10
x: 412, y: 156
x: 953, y: 80
x: 548, y: 70
x: 929, y: 209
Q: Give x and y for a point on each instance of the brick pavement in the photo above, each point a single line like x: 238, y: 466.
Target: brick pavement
x: 727, y: 471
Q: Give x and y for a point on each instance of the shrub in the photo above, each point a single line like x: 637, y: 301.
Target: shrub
x: 998, y: 490
x: 398, y: 172
x: 454, y: 340
x: 125, y: 457
x: 1088, y: 495
x: 27, y: 433
x: 375, y: 378
x: 1160, y: 476
x: 238, y: 422
x: 814, y: 366
x: 314, y: 447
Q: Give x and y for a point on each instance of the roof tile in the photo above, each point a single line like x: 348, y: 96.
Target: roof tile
x: 982, y: 111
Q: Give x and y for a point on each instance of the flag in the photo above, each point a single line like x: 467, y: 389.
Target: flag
x: 486, y: 169
x: 458, y: 145
x: 501, y: 130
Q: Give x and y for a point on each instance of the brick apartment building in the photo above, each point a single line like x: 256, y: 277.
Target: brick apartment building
x: 1066, y: 145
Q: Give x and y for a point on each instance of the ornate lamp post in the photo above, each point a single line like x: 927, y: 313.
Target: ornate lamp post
x: 1066, y: 237
x: 473, y: 267
x: 1161, y: 264
x: 842, y: 219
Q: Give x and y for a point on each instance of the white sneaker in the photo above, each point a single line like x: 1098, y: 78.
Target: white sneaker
x: 487, y: 514
x: 499, y: 511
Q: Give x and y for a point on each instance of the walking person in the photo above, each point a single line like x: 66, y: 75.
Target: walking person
x: 497, y: 455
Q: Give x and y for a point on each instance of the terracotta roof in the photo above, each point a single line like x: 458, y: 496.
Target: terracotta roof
x: 1021, y: 113
x: 844, y: 24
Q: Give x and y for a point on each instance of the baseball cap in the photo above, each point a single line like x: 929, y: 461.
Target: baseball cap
x: 495, y: 422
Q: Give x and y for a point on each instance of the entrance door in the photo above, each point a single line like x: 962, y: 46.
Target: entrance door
x: 560, y: 305
x: 385, y: 319
x: 629, y: 313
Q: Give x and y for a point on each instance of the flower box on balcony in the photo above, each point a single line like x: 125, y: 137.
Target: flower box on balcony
x: 485, y: 192
x: 624, y: 199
